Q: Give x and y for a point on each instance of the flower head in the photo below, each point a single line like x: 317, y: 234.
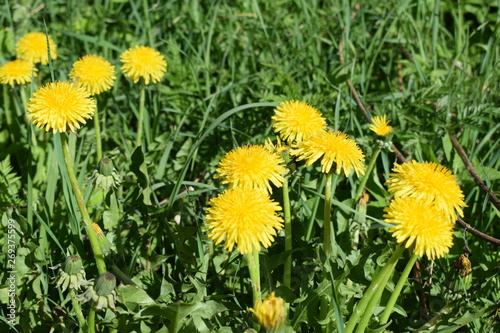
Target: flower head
x: 145, y: 62
x: 33, y: 48
x: 420, y: 223
x: 332, y: 147
x: 17, y: 72
x: 93, y: 73
x: 296, y: 121
x: 246, y: 217
x: 252, y: 167
x: 429, y: 181
x: 60, y: 106
x: 270, y: 313
x: 381, y: 125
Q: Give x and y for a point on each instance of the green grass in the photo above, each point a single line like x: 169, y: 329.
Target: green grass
x: 431, y: 66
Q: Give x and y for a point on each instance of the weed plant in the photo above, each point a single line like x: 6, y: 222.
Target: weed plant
x: 431, y: 67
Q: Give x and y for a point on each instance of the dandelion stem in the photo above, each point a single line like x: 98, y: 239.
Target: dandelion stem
x: 287, y: 278
x: 94, y: 243
x: 97, y: 128
x: 379, y: 281
x: 328, y: 235
x: 368, y: 172
x: 253, y: 266
x: 78, y: 310
x: 91, y: 319
x: 397, y: 290
x: 141, y: 115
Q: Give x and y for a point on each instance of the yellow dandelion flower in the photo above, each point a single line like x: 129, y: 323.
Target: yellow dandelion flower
x: 93, y: 73
x: 429, y: 181
x: 246, y: 217
x: 60, y: 106
x: 33, y: 48
x: 422, y: 224
x: 270, y: 313
x: 332, y: 147
x: 252, y: 167
x: 296, y: 121
x: 17, y: 72
x: 145, y: 62
x: 381, y: 126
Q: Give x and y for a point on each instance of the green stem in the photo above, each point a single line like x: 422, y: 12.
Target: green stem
x: 94, y: 243
x: 142, y: 98
x: 287, y: 275
x: 287, y: 278
x: 397, y: 290
x: 91, y: 319
x: 369, y: 170
x: 254, y: 268
x: 97, y: 128
x: 377, y: 282
x: 78, y: 310
x: 328, y: 235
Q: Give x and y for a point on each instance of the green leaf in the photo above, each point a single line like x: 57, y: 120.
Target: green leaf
x: 111, y: 216
x: 139, y: 168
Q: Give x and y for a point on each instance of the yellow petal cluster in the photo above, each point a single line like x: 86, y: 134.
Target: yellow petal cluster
x: 17, y: 72
x: 332, y: 147
x: 143, y: 62
x: 296, y: 121
x: 60, y: 107
x: 380, y: 125
x: 428, y: 181
x: 33, y: 47
x: 252, y: 167
x: 244, y: 217
x: 421, y: 224
x: 270, y: 313
x: 93, y: 73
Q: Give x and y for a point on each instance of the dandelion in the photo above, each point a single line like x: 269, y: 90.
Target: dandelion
x: 332, y: 147
x: 60, y: 106
x: 17, y: 72
x: 296, y: 121
x: 270, y: 313
x: 381, y: 126
x: 252, y: 167
x: 32, y: 47
x: 143, y: 62
x: 93, y: 73
x: 428, y: 181
x: 246, y: 217
x: 422, y: 224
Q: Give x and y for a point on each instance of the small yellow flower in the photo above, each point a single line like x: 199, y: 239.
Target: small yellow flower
x: 428, y: 181
x: 246, y: 217
x: 296, y: 121
x: 93, y: 73
x: 143, y: 62
x: 33, y: 48
x: 60, y: 106
x: 17, y: 72
x: 270, y: 313
x: 252, y: 167
x: 381, y: 125
x: 422, y: 224
x: 332, y: 147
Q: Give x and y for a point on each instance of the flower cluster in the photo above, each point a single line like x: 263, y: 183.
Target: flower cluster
x: 305, y: 130
x: 244, y: 214
x: 426, y: 202
x: 63, y: 106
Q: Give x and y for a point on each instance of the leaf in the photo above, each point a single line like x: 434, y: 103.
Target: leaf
x: 111, y: 216
x: 139, y: 168
x: 133, y: 298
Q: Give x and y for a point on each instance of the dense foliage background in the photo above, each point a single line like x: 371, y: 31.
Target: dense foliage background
x: 431, y: 66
